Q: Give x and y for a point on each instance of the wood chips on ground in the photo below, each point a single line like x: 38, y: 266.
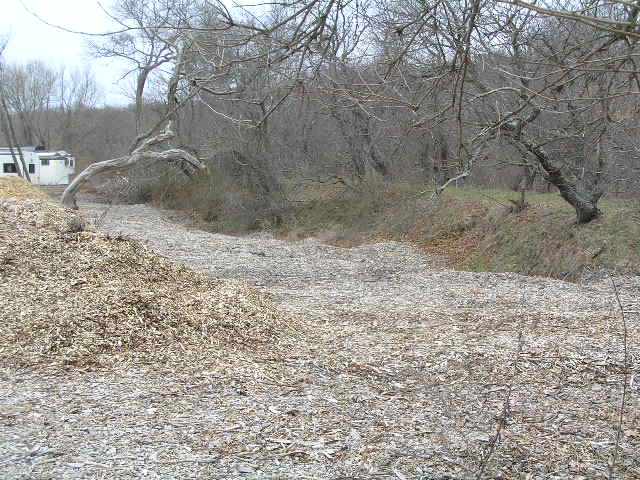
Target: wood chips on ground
x: 16, y: 187
x: 383, y: 367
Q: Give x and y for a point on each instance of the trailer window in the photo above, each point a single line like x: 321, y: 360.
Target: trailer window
x: 44, y: 162
x: 32, y: 168
x: 9, y: 168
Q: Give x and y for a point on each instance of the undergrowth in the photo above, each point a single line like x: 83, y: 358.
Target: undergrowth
x: 473, y: 229
x: 230, y: 202
x: 476, y: 229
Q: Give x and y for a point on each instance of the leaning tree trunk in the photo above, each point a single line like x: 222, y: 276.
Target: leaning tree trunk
x: 7, y: 134
x: 584, y: 203
x: 141, y: 153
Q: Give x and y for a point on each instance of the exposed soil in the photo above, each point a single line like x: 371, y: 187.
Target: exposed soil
x: 401, y: 368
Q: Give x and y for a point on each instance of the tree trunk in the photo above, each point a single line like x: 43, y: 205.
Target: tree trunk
x: 173, y: 103
x: 366, y: 143
x: 440, y: 158
x: 139, y: 154
x: 5, y: 131
x: 141, y: 82
x: 10, y: 133
x: 357, y: 135
x: 584, y: 203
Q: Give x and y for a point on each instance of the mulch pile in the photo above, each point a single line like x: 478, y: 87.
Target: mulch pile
x: 20, y: 189
x: 72, y: 296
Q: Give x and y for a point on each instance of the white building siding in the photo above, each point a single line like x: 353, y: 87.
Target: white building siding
x: 45, y: 168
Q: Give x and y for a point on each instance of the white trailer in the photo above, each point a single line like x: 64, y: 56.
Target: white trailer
x: 44, y: 167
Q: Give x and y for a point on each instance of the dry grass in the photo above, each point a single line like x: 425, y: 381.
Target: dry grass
x: 473, y: 229
x: 544, y: 241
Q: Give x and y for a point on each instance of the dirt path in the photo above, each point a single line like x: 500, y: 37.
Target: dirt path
x: 407, y: 369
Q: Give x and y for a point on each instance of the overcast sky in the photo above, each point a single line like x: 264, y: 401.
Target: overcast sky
x: 31, y: 39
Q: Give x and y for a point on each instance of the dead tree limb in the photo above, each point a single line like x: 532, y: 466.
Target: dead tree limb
x: 441, y: 188
x: 142, y: 153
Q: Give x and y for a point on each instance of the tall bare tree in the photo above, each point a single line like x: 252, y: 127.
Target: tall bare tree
x: 30, y: 94
x: 6, y: 121
x: 148, y: 40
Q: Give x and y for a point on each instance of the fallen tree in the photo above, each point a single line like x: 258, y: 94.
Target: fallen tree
x: 142, y: 153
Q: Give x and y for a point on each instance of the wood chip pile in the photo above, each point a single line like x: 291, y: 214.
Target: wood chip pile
x: 73, y: 296
x: 16, y: 187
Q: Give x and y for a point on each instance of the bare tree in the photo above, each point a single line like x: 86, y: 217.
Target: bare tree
x: 30, y: 94
x: 463, y: 86
x: 148, y: 41
x: 6, y: 122
x: 77, y: 91
x: 558, y: 86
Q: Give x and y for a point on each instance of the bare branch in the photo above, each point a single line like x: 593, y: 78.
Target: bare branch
x: 140, y: 154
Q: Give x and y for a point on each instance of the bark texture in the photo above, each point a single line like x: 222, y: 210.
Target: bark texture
x: 583, y: 201
x: 142, y: 153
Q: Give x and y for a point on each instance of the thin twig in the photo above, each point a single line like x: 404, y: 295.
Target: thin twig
x: 505, y: 414
x: 623, y: 400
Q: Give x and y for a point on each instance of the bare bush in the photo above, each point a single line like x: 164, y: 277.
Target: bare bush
x: 238, y: 193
